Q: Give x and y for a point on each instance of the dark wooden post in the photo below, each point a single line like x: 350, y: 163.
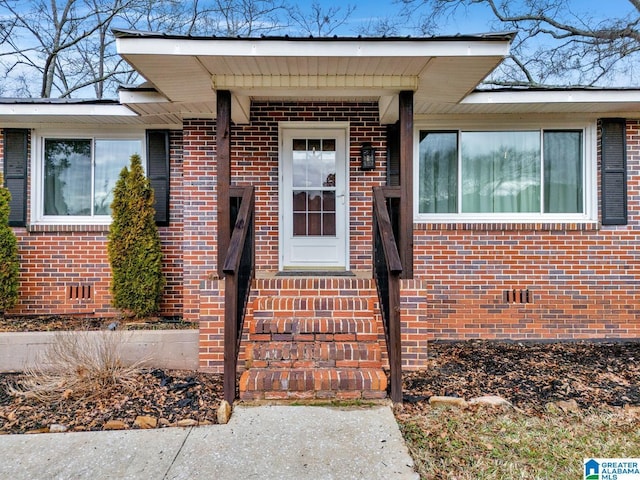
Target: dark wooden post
x: 406, y: 183
x: 230, y: 336
x: 390, y: 304
x: 223, y: 154
x: 238, y: 275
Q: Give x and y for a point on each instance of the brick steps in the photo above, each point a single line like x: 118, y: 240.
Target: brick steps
x: 362, y: 329
x: 305, y: 354
x: 312, y: 338
x: 313, y: 383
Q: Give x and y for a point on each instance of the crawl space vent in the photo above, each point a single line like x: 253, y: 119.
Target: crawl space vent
x: 79, y: 292
x: 518, y: 296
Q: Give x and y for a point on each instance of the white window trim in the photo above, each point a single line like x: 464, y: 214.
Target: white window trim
x: 590, y: 214
x: 37, y: 216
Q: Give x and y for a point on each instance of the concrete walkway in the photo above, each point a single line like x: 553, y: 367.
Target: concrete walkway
x: 266, y: 442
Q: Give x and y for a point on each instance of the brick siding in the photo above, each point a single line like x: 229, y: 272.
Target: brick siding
x: 55, y: 259
x: 255, y: 162
x: 584, y: 280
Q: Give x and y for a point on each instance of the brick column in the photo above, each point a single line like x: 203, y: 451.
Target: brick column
x: 202, y: 297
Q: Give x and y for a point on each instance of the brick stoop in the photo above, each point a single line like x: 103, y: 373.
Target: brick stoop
x: 313, y: 338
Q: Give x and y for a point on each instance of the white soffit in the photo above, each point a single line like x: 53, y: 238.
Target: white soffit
x: 585, y: 101
x: 148, y: 102
x: 189, y: 70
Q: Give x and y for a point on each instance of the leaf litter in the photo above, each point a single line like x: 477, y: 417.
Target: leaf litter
x: 166, y: 395
x: 573, y: 400
x: 530, y: 375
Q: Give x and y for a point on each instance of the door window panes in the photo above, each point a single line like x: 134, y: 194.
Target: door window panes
x: 314, y: 183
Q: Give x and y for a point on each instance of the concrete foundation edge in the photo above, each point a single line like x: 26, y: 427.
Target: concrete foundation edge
x: 170, y: 349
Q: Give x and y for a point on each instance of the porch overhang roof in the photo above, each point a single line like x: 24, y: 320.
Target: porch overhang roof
x: 185, y: 72
x: 27, y: 112
x: 585, y: 102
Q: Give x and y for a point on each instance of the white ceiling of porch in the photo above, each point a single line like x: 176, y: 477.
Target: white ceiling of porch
x: 187, y: 71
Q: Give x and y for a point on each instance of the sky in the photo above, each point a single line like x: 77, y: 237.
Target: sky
x: 470, y: 20
x: 475, y: 20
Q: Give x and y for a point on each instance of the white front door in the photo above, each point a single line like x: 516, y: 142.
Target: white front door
x: 313, y: 199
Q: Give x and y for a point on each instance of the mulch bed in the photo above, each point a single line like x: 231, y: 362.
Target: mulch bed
x: 168, y: 396
x: 596, y: 375
x: 54, y: 323
x: 530, y: 375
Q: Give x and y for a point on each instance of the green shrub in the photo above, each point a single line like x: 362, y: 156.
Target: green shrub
x: 9, y: 265
x: 134, y: 247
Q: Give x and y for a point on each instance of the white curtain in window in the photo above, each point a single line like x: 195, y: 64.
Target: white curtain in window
x: 67, y: 177
x: 438, y: 172
x: 563, y: 172
x: 111, y: 157
x: 500, y: 172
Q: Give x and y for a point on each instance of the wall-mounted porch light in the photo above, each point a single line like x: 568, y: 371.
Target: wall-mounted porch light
x: 367, y: 157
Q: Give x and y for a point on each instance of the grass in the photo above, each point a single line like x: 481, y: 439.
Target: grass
x: 492, y: 444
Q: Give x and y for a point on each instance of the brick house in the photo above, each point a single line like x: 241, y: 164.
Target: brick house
x: 383, y: 189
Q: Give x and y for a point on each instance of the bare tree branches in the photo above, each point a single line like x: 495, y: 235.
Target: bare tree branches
x: 320, y: 22
x: 67, y: 47
x: 46, y: 37
x: 64, y: 48
x: 556, y: 45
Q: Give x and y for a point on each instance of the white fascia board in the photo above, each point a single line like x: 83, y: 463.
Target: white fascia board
x: 324, y: 48
x: 136, y: 96
x: 63, y: 109
x: 314, y: 93
x: 383, y: 82
x: 559, y: 97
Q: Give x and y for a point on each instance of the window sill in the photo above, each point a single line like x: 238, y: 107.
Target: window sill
x: 509, y: 226
x: 67, y: 228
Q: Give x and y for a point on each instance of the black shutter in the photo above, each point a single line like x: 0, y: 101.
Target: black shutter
x: 614, y: 171
x: 393, y: 155
x: 158, y: 172
x: 15, y: 173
